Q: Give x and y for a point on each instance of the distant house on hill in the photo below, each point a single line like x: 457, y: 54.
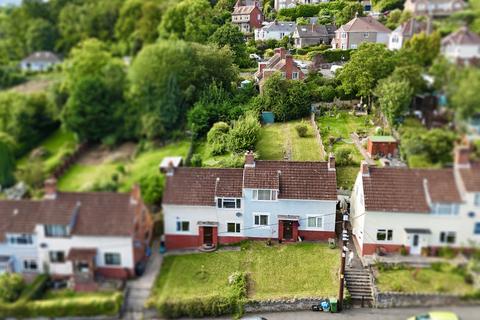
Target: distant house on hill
x: 276, y: 30
x: 436, y: 8
x: 404, y: 32
x: 313, y: 34
x: 247, y: 16
x: 40, y: 61
x: 359, y: 30
x: 462, y: 47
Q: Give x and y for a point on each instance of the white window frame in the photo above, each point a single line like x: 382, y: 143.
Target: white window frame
x: 344, y: 35
x: 445, y: 235
x: 13, y: 239
x: 294, y: 75
x: 366, y: 35
x: 237, y: 226
x: 179, y: 225
x: 27, y: 265
x: 112, y: 254
x: 259, y: 214
x: 442, y: 208
x: 273, y: 194
x: 388, y: 234
x: 56, y: 252
x: 476, y: 198
x: 353, y: 46
x: 221, y: 203
x: 317, y: 218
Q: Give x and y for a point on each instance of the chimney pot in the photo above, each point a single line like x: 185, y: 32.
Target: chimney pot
x: 331, y: 162
x: 365, y: 169
x: 249, y: 159
x: 135, y: 194
x: 462, y: 156
x: 50, y: 187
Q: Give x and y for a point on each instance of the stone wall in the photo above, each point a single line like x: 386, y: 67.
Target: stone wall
x: 398, y: 299
x: 281, y: 305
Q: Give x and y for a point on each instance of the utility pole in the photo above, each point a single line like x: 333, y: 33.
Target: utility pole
x: 343, y: 257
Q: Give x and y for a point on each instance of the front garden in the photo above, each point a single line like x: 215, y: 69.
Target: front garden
x: 37, y: 300
x: 221, y: 282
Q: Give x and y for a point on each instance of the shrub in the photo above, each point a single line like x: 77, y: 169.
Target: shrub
x: 217, y: 138
x: 196, y: 160
x: 446, y: 252
x: 343, y: 156
x: 244, y: 134
x: 437, y: 266
x: 403, y: 251
x: 152, y: 188
x: 302, y: 129
x: 11, y: 285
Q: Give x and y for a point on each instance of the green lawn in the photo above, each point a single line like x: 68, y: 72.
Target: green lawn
x: 296, y: 270
x: 82, y: 177
x: 346, y: 176
x: 218, y: 161
x: 58, y: 144
x: 425, y: 280
x: 280, y: 139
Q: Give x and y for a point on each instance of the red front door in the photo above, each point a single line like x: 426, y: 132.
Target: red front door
x: 287, y: 230
x: 208, y: 235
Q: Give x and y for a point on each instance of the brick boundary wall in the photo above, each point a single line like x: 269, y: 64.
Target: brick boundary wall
x: 281, y: 305
x: 318, y: 136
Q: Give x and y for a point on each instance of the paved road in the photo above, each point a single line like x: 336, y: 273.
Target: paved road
x: 465, y: 313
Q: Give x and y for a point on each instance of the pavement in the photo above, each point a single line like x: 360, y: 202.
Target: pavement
x: 465, y: 313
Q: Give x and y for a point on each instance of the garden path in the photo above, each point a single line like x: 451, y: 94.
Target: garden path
x: 362, y: 150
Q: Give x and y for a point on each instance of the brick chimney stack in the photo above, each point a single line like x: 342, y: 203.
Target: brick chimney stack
x: 135, y: 194
x: 365, y: 169
x: 462, y: 157
x: 50, y: 187
x: 249, y: 159
x: 331, y: 162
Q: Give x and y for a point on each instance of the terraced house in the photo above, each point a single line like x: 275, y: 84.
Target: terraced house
x: 417, y: 210
x: 75, y: 236
x: 281, y: 200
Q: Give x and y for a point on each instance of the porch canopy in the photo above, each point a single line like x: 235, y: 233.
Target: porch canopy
x: 418, y: 231
x: 81, y: 254
x: 207, y: 223
x: 288, y: 217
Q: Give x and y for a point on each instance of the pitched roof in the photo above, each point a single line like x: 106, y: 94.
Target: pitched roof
x: 463, y: 36
x: 286, y: 26
x: 364, y: 24
x: 42, y: 56
x: 243, y: 9
x: 94, y: 214
x: 410, y: 27
x: 407, y: 190
x: 471, y: 177
x: 314, y: 30
x: 295, y: 180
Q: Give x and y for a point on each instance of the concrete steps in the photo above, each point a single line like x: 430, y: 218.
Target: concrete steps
x: 358, y: 282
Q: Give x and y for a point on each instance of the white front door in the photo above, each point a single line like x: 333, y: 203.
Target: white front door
x: 415, y: 244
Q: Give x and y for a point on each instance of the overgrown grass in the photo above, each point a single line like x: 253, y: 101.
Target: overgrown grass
x: 346, y: 176
x: 83, y: 177
x: 58, y: 145
x: 217, y: 161
x: 281, y: 139
x: 296, y: 270
x: 446, y: 279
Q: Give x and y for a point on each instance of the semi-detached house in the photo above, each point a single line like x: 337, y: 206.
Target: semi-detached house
x: 284, y: 200
x: 420, y: 210
x: 75, y: 236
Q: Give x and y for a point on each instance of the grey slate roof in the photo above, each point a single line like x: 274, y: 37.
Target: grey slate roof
x: 42, y: 56
x: 281, y: 26
x: 314, y: 30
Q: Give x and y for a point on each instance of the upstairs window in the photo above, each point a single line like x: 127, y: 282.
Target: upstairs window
x: 477, y: 228
x: 183, y: 225
x: 56, y: 230
x: 229, y: 203
x: 264, y: 195
x: 448, y: 237
x: 294, y: 75
x: 344, y: 35
x: 384, y: 235
x: 476, y: 200
x: 445, y: 208
x: 20, y: 239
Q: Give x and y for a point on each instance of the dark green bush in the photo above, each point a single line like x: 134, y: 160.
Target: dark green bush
x: 11, y: 285
x: 196, y: 160
x: 446, y: 252
x: 302, y: 129
x: 343, y: 156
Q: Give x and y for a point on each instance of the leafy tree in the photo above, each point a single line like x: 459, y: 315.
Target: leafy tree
x: 152, y: 186
x: 394, y: 98
x: 413, y: 74
x: 348, y: 12
x: 367, y: 65
x: 217, y: 138
x: 191, y: 69
x: 244, y: 134
x: 7, y: 160
x: 421, y: 49
x: 41, y: 35
x: 464, y: 93
x: 95, y: 82
x: 385, y: 5
x: 231, y: 36
x: 343, y: 156
x: 11, y: 285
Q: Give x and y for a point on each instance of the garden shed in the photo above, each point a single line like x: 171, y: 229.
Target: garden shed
x: 382, y: 145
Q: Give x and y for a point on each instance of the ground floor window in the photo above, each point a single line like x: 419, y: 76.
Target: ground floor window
x: 112, y: 259
x: 183, y: 225
x: 260, y: 219
x: 384, y: 234
x: 57, y: 256
x: 30, y: 265
x: 477, y: 228
x: 315, y: 222
x: 447, y: 237
x: 233, y: 227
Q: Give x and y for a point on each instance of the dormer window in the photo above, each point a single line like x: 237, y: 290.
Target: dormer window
x: 56, y: 230
x: 476, y: 200
x: 20, y: 239
x: 445, y: 208
x: 264, y: 195
x: 229, y: 203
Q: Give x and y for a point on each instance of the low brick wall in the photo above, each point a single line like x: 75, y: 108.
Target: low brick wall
x: 281, y: 305
x: 398, y: 299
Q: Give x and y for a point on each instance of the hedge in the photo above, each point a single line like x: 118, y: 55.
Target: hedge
x: 212, y: 306
x: 64, y: 307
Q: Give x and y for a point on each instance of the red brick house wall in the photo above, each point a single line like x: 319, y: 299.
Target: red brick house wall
x: 255, y: 21
x: 384, y: 148
x: 371, y: 248
x: 316, y: 235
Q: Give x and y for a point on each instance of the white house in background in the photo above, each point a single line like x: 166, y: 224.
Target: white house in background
x: 275, y: 30
x: 436, y: 8
x: 40, y: 61
x: 418, y: 209
x: 75, y: 236
x: 404, y: 32
x: 359, y: 30
x: 284, y: 200
x: 284, y: 4
x: 462, y: 47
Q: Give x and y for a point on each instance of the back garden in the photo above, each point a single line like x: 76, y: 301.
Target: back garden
x: 222, y: 282
x: 37, y: 299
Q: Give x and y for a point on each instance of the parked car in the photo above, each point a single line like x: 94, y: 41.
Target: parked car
x: 436, y: 315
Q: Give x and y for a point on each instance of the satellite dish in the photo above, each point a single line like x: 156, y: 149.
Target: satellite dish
x: 238, y: 214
